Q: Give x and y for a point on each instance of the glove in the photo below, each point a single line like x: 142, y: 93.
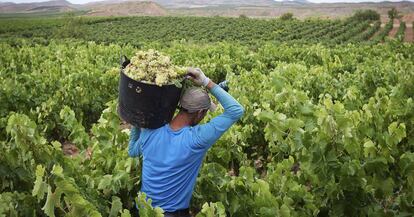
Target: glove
x: 197, y: 76
x: 224, y: 85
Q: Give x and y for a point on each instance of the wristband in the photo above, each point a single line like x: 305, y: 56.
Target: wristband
x: 205, y: 82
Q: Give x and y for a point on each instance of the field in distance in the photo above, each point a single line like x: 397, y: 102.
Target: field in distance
x: 259, y: 8
x: 365, y: 26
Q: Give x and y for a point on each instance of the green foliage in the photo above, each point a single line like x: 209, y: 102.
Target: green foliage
x: 138, y: 31
x: 77, y: 133
x: 401, y: 32
x: 363, y: 15
x: 393, y: 14
x: 73, y: 26
x: 212, y: 210
x: 367, y: 34
x: 14, y: 204
x: 63, y: 186
x: 286, y: 16
x: 327, y: 131
x: 145, y: 208
x: 383, y: 34
x: 74, y: 76
x: 326, y: 135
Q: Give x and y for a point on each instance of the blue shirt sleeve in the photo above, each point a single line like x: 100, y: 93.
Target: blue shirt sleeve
x: 134, y: 148
x: 207, y: 134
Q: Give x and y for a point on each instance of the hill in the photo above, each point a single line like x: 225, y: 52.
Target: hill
x: 55, y: 5
x: 126, y: 8
x: 300, y: 9
x: 212, y: 3
x: 233, y: 8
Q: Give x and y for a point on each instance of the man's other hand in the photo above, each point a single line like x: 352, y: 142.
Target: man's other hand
x: 197, y: 76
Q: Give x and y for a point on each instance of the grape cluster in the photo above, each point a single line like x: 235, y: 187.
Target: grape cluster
x: 153, y: 67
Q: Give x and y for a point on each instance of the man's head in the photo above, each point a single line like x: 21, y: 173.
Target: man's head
x: 195, y: 102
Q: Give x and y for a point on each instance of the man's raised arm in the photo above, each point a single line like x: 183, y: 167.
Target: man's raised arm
x: 207, y: 134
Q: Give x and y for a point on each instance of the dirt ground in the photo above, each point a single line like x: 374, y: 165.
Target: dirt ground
x: 408, y: 37
x: 407, y: 17
x: 409, y: 33
x: 70, y: 149
x: 377, y: 32
x: 394, y: 29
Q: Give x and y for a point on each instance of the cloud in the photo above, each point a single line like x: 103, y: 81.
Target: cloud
x: 335, y: 1
x: 314, y: 1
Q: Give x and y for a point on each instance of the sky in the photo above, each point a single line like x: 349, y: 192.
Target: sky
x: 315, y: 1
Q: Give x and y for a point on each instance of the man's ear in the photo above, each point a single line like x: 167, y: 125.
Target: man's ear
x: 201, y: 114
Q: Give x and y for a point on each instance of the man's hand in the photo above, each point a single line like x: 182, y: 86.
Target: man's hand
x: 197, y: 76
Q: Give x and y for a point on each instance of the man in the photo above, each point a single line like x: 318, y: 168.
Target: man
x: 172, y: 154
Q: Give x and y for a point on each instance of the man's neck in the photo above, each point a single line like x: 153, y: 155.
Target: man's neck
x: 180, y: 121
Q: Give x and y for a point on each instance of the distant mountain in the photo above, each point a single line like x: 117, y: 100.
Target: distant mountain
x: 212, y: 3
x: 55, y: 5
x: 253, y: 8
x: 126, y: 8
x: 6, y: 3
x: 295, y: 1
x: 104, y: 2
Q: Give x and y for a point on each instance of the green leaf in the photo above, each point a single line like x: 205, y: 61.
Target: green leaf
x: 40, y: 187
x: 396, y: 133
x: 57, y: 170
x: 105, y: 182
x: 284, y: 211
x: 369, y: 149
x: 116, y: 206
x: 49, y: 207
x: 212, y: 210
x: 125, y: 213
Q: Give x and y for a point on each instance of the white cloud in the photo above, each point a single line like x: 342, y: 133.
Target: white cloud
x: 334, y: 1
x: 28, y: 1
x: 315, y: 1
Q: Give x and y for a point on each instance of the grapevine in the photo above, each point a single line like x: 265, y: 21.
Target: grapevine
x: 327, y: 131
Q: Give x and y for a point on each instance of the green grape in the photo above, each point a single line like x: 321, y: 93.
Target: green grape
x: 154, y: 67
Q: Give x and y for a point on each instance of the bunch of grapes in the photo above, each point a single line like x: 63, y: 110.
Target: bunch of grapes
x: 154, y: 67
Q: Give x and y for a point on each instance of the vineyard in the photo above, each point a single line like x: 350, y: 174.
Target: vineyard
x: 138, y: 31
x: 328, y: 128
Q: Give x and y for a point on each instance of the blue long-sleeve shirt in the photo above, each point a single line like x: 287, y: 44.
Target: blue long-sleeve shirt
x: 172, y: 159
